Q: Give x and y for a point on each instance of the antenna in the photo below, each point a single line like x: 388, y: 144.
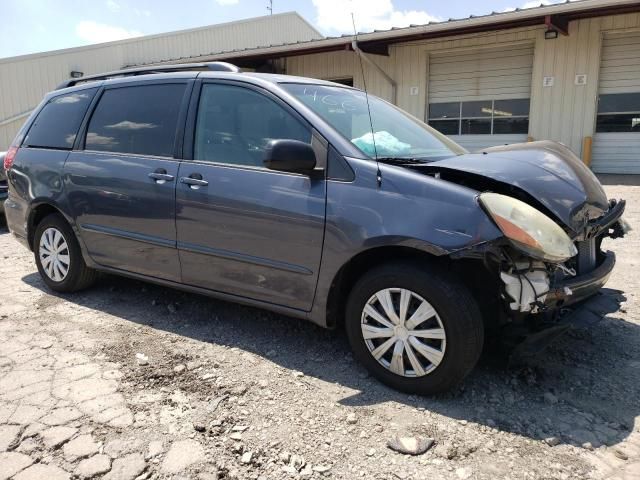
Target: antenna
x: 270, y: 7
x: 366, y: 96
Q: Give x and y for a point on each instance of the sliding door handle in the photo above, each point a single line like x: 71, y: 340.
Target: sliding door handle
x: 161, y: 176
x: 194, y: 182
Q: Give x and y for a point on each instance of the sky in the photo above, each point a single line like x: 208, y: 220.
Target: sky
x: 31, y: 26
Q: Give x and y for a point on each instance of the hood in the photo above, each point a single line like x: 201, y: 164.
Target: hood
x: 546, y: 175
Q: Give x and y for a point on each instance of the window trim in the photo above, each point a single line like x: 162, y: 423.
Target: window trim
x: 492, y: 117
x: 192, y: 117
x: 81, y: 138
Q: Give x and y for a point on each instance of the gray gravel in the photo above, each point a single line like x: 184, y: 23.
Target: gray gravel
x: 223, y: 391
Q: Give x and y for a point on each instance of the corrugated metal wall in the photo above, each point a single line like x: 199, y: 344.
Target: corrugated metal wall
x: 481, y: 74
x: 24, y: 80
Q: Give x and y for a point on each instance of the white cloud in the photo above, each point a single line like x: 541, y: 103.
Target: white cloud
x: 227, y: 2
x: 113, y: 6
x: 536, y: 3
x: 93, y: 32
x: 335, y: 15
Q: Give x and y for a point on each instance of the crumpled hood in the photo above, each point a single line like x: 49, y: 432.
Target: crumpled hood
x: 547, y: 171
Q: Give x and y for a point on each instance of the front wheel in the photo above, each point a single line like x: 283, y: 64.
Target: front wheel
x: 415, y: 328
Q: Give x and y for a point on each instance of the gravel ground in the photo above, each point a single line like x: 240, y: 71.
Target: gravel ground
x: 224, y: 391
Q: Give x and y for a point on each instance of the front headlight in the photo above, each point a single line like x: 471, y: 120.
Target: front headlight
x: 528, y: 229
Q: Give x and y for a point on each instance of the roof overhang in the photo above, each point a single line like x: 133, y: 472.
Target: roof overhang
x: 555, y: 17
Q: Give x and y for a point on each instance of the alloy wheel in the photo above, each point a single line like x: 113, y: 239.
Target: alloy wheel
x: 403, y: 332
x: 54, y: 254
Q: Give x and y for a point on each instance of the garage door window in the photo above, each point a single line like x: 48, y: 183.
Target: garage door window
x: 619, y: 112
x: 485, y: 117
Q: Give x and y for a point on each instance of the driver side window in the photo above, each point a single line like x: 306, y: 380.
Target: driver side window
x: 235, y: 124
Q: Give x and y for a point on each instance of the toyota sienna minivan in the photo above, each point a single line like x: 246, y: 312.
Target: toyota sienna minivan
x: 311, y: 199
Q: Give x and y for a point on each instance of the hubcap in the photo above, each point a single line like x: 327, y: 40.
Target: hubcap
x: 54, y: 254
x: 403, y: 332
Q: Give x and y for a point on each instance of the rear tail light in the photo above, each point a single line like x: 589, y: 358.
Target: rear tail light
x: 9, y: 157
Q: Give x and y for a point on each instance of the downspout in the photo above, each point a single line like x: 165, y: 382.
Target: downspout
x: 392, y: 82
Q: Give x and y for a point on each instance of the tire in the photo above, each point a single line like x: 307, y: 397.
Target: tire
x: 450, y: 312
x: 77, y: 276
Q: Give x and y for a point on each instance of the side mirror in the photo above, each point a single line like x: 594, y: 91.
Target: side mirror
x: 290, y: 156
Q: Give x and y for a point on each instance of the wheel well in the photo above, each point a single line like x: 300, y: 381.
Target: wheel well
x: 481, y: 280
x: 36, y: 216
x: 348, y: 275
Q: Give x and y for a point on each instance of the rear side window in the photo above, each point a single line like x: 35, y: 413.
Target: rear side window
x: 56, y: 126
x: 140, y: 119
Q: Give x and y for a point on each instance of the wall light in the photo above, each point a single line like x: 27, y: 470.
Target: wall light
x: 550, y: 34
x: 76, y: 74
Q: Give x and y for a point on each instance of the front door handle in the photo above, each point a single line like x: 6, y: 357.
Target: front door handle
x: 194, y: 181
x: 161, y: 176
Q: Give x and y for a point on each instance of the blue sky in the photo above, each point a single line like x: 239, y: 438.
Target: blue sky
x: 38, y: 25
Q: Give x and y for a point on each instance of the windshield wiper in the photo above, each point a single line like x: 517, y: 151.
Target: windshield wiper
x: 401, y: 160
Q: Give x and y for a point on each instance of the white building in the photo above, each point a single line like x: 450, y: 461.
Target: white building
x: 567, y: 72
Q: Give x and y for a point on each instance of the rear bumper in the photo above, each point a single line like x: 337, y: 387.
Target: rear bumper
x: 576, y: 289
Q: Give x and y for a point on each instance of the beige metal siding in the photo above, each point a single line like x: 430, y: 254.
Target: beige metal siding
x: 485, y: 74
x: 328, y: 66
x: 25, y: 79
x: 619, y: 73
x: 620, y: 65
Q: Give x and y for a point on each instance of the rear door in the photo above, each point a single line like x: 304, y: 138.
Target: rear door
x: 244, y: 229
x: 121, y: 183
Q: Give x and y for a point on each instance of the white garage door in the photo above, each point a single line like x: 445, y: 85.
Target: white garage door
x: 616, y: 144
x: 480, y: 98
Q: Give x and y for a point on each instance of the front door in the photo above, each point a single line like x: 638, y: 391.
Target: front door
x: 121, y: 185
x: 241, y: 228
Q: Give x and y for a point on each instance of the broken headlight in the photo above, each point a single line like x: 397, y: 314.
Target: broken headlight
x: 528, y: 229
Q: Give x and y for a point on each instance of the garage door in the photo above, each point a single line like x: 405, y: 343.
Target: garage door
x: 480, y: 98
x: 616, y: 144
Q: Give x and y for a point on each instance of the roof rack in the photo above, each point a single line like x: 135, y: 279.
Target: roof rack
x: 130, y: 72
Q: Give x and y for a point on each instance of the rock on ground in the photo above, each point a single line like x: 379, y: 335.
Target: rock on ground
x: 181, y: 455
x: 9, y: 435
x: 127, y: 467
x: 80, y: 447
x: 56, y: 436
x: 12, y: 462
x: 90, y: 467
x: 41, y: 471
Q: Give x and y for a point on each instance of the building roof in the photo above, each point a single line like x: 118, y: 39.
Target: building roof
x: 555, y: 16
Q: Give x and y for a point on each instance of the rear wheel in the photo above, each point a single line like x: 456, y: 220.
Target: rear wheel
x: 415, y: 328
x: 58, y: 256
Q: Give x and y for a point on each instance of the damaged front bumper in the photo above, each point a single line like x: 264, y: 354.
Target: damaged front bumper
x: 573, y: 296
x: 575, y: 289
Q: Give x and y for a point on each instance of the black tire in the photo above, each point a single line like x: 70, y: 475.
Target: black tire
x: 79, y: 276
x: 454, y: 304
